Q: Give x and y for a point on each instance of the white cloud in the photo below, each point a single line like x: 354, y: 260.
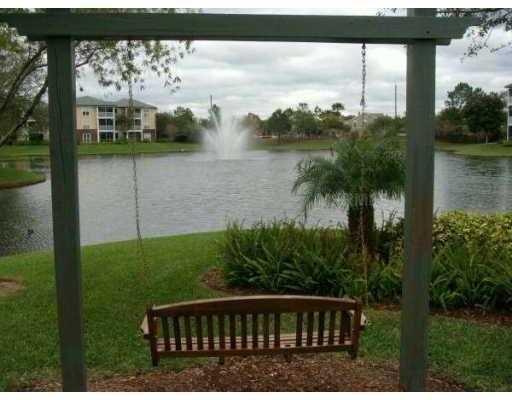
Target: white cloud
x: 260, y: 77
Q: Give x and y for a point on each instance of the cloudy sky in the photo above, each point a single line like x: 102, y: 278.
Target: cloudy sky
x: 254, y: 77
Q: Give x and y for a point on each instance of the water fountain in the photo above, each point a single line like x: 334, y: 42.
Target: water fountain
x: 227, y: 139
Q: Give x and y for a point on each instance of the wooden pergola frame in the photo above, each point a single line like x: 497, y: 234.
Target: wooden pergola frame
x: 421, y: 31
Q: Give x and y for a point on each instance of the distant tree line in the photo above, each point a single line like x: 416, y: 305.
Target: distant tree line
x: 472, y: 115
x: 300, y: 122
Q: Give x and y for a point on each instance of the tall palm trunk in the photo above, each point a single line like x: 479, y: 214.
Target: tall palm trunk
x: 360, y: 231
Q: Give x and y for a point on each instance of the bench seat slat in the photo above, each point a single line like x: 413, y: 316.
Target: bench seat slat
x: 287, y: 340
x: 209, y: 323
x: 243, y: 323
x: 177, y: 333
x: 260, y: 351
x: 222, y: 337
x: 199, y: 332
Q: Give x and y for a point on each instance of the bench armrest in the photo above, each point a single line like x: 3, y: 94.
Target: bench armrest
x: 144, y: 327
x: 364, y: 320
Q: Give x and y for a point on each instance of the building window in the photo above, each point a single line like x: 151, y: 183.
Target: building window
x: 106, y: 136
x: 87, y: 137
x: 85, y: 113
x: 106, y: 123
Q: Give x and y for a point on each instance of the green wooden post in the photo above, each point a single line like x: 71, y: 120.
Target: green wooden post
x: 419, y: 197
x: 66, y: 226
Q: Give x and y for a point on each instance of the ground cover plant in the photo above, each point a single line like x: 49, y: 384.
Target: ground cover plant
x: 472, y: 261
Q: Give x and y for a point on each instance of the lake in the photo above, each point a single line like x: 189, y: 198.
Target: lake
x: 193, y: 192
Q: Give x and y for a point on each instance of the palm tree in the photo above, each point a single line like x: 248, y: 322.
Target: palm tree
x: 361, y: 170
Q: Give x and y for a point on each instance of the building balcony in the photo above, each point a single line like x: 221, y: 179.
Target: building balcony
x: 105, y: 115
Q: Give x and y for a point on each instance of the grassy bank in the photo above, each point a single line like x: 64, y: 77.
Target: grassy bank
x: 13, y: 178
x: 17, y: 152
x: 116, y: 293
x: 476, y: 150
x: 302, y: 145
x: 20, y: 152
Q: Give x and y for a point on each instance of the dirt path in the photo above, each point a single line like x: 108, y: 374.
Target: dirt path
x: 303, y: 373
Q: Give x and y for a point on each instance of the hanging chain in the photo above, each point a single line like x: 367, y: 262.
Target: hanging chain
x: 364, y: 205
x: 141, y: 254
x: 363, y: 87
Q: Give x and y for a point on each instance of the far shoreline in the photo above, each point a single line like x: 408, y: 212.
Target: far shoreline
x: 23, y: 152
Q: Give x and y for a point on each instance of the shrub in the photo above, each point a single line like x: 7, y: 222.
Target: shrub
x: 36, y: 138
x: 490, y: 232
x: 283, y: 256
x: 472, y: 264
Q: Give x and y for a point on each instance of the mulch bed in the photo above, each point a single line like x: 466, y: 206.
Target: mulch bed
x: 9, y: 287
x: 468, y: 314
x: 264, y: 374
x: 214, y: 279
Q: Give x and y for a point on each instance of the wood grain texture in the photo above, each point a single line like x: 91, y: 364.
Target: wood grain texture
x: 65, y: 212
x: 281, y: 28
x: 261, y: 304
x: 419, y: 208
x: 265, y: 339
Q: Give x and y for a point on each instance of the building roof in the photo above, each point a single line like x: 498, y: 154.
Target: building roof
x: 93, y: 101
x: 509, y: 86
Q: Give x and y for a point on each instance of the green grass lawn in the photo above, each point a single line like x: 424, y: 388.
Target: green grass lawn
x: 477, y: 150
x: 12, y: 178
x: 116, y: 294
x: 10, y: 152
x: 303, y: 145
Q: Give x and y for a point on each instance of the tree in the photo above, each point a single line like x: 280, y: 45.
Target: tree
x: 186, y: 124
x: 362, y: 170
x: 253, y: 123
x: 23, y: 68
x: 458, y: 97
x: 304, y: 121
x: 123, y: 122
x: 386, y: 125
x: 483, y: 113
x: 450, y: 124
x: 491, y: 18
x: 164, y: 126
x: 338, y: 107
x: 279, y: 122
x: 332, y: 120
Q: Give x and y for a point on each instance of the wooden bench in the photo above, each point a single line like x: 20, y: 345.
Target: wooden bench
x: 254, y: 326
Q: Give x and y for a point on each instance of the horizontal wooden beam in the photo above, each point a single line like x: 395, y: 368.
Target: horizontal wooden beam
x: 242, y: 27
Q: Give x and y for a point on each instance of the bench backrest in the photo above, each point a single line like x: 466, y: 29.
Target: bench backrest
x: 255, y: 322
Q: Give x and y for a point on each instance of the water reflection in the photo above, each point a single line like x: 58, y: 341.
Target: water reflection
x: 183, y: 193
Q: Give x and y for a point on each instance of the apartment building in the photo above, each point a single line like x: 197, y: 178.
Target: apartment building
x: 96, y: 120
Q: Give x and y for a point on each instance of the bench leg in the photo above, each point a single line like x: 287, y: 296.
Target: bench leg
x: 221, y: 360
x: 155, y: 361
x: 353, y: 354
x: 288, y: 357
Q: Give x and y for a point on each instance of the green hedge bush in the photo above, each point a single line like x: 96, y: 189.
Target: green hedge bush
x: 472, y: 261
